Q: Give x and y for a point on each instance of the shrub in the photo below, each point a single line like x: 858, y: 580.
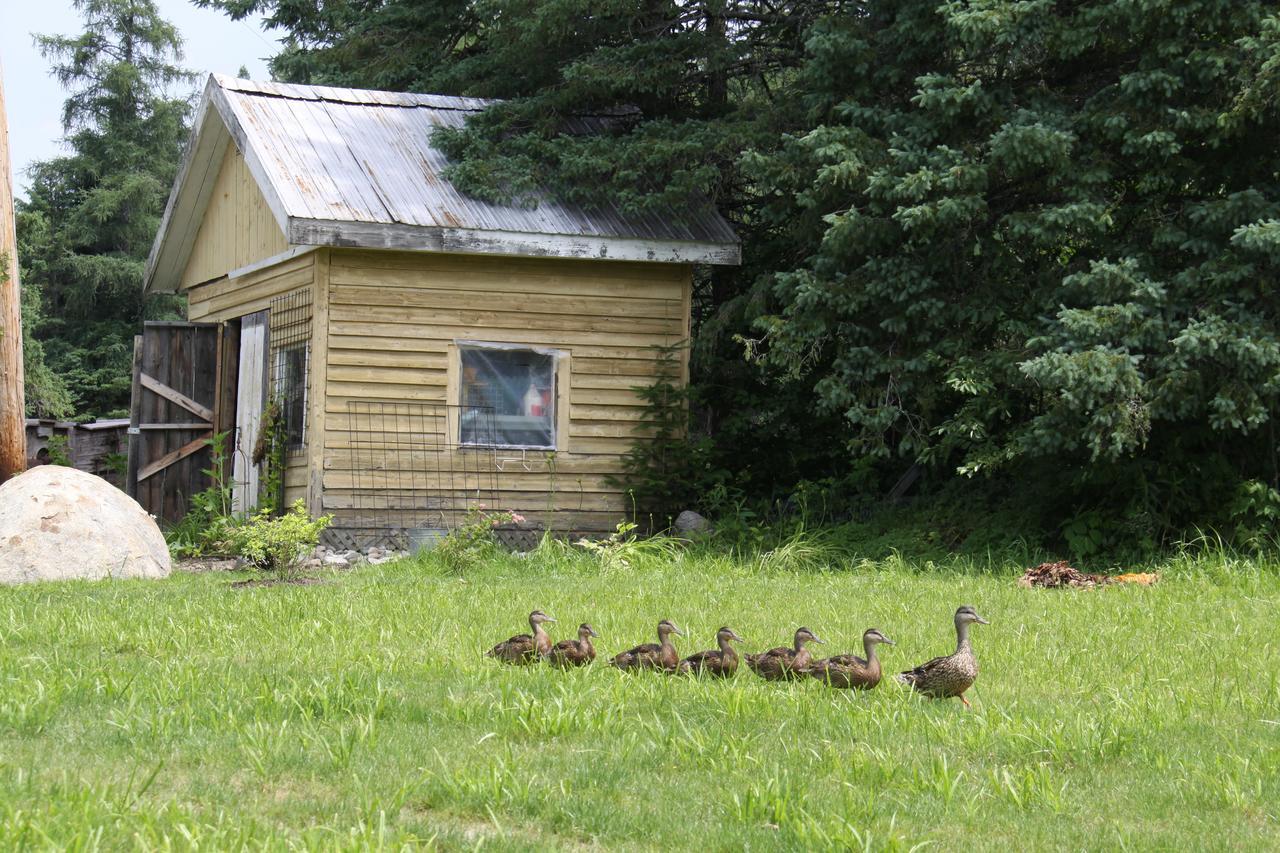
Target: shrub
x: 473, y: 539
x: 206, y: 528
x: 279, y: 544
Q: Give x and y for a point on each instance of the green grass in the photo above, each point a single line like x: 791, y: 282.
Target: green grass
x: 360, y: 713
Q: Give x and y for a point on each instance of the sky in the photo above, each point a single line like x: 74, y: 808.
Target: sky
x: 211, y: 42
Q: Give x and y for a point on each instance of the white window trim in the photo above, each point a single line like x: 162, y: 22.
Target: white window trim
x: 559, y: 394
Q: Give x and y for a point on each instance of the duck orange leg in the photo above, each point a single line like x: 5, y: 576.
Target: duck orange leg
x: 964, y: 700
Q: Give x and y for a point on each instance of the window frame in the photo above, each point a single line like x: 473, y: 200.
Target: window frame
x: 560, y: 374
x: 279, y: 363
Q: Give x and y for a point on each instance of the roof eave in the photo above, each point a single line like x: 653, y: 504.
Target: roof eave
x: 419, y: 238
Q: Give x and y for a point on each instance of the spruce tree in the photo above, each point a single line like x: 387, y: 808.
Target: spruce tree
x: 91, y: 215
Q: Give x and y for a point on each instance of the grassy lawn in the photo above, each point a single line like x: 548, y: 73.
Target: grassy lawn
x: 360, y: 712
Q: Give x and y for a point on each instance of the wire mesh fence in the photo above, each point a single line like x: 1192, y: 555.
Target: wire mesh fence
x: 401, y: 481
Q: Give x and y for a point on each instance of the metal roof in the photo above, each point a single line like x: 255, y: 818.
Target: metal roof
x: 351, y: 167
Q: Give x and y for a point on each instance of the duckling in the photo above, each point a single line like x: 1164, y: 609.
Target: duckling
x: 952, y: 675
x: 579, y: 652
x: 525, y: 648
x: 722, y: 663
x: 660, y: 655
x: 851, y: 671
x: 783, y: 664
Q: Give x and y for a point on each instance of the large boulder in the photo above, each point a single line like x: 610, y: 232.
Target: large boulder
x: 59, y: 523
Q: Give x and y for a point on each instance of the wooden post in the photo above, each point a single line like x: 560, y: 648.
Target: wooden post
x: 13, y: 434
x: 135, y: 420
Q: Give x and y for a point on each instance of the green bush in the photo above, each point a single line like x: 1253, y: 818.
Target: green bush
x: 279, y: 545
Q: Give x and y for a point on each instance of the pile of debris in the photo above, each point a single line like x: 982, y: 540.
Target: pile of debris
x: 1060, y: 574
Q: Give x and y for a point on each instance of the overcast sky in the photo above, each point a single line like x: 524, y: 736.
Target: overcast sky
x: 211, y: 41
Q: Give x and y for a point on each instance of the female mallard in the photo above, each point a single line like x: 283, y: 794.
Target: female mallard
x: 851, y: 671
x: 660, y: 655
x: 783, y: 664
x: 525, y: 648
x: 952, y: 675
x: 722, y: 663
x: 579, y: 652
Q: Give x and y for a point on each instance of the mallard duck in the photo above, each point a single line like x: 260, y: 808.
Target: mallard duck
x: 722, y: 662
x: 525, y: 648
x: 952, y: 675
x: 851, y: 671
x: 579, y: 652
x: 782, y: 663
x: 659, y: 655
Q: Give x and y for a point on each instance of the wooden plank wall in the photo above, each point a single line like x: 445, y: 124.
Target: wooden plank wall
x: 183, y: 357
x: 225, y: 299
x: 238, y: 227
x: 392, y: 317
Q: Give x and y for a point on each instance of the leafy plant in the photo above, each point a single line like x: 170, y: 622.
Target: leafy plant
x: 473, y: 539
x: 206, y: 528
x: 278, y: 544
x: 59, y: 450
x: 622, y: 548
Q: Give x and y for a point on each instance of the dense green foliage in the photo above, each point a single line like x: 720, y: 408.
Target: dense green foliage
x: 359, y: 713
x: 89, y: 219
x: 278, y: 544
x: 1026, y: 242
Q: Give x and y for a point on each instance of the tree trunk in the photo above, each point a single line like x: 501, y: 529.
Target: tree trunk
x: 13, y: 435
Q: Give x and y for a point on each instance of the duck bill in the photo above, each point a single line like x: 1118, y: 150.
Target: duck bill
x: 818, y: 640
x: 981, y: 621
x: 887, y: 642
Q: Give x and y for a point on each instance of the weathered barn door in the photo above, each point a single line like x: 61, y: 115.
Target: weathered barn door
x: 251, y: 397
x: 175, y: 388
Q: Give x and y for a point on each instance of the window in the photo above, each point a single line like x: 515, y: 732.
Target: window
x: 290, y: 342
x: 508, y: 396
x: 290, y: 371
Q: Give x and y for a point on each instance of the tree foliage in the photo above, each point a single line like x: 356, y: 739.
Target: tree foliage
x: 89, y: 219
x: 1028, y: 242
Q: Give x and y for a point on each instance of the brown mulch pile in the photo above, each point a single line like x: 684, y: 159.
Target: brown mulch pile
x: 1055, y: 575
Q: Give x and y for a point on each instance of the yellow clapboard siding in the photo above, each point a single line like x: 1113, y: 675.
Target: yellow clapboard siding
x: 238, y: 227
x: 254, y: 294
x: 513, y: 320
x: 250, y: 293
x: 348, y: 457
x: 369, y: 262
x: 426, y: 295
x: 340, y: 499
x: 393, y: 318
x: 408, y: 359
x: 387, y: 375
x: 603, y: 343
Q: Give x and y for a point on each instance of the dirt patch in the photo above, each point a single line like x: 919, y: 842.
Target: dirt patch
x: 205, y: 564
x: 1062, y: 574
x: 259, y: 582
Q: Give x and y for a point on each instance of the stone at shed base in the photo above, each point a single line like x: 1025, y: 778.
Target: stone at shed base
x: 58, y: 523
x: 690, y: 522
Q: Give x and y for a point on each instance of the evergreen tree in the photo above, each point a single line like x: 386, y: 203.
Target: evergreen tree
x: 90, y: 216
x: 1042, y: 238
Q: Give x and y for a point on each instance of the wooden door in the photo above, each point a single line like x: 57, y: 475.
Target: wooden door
x: 175, y: 388
x: 251, y: 397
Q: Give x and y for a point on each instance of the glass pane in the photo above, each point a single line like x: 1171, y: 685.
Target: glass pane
x: 508, y: 397
x: 291, y: 388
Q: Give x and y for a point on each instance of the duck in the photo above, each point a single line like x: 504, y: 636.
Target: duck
x: 850, y: 671
x: 579, y: 652
x: 660, y: 655
x: 782, y: 663
x: 945, y: 677
x: 721, y: 662
x: 525, y: 648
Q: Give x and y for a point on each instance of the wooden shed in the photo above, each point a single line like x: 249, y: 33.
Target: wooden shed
x: 427, y: 351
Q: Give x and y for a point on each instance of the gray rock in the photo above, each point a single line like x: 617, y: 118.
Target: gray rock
x: 334, y: 561
x: 690, y: 522
x: 58, y: 523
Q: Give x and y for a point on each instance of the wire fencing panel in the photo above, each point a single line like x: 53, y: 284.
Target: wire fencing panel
x: 405, y: 481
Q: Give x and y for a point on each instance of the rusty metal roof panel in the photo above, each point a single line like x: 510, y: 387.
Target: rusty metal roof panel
x: 344, y: 155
